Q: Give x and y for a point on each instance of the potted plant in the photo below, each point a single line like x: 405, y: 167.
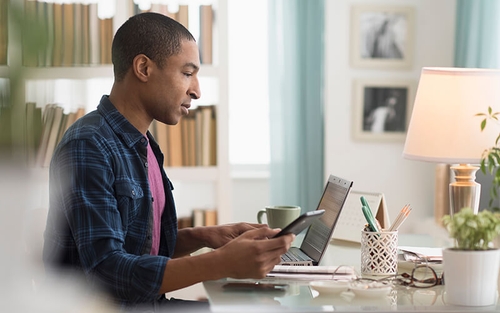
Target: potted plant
x: 491, y: 158
x: 472, y: 265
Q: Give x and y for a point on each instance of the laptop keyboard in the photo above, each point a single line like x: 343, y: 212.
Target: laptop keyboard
x: 294, y: 255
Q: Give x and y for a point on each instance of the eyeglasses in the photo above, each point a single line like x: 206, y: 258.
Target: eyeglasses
x: 422, y: 276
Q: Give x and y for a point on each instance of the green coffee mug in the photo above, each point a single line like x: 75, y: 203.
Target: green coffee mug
x: 279, y: 216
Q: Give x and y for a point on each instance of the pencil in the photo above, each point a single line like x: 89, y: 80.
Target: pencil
x: 400, y: 217
x: 404, y: 218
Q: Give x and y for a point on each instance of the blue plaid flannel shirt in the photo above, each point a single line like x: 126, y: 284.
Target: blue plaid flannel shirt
x: 100, y: 214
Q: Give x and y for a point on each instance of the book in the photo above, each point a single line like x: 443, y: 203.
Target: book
x: 33, y: 131
x: 198, y: 217
x: 49, y: 47
x: 94, y: 49
x: 207, y: 135
x: 161, y: 135
x: 68, y: 34
x: 190, y: 140
x: 174, y: 151
x: 30, y: 47
x: 30, y: 134
x: 5, y: 129
x: 79, y: 113
x: 47, y: 118
x: 183, y: 124
x: 105, y: 39
x: 206, y: 29
x: 41, y: 20
x: 57, y: 58
x: 182, y: 16
x: 198, y: 135
x: 4, y: 30
x: 53, y: 134
x: 210, y: 217
x: 62, y: 127
x: 77, y: 34
x: 184, y: 222
x: 69, y: 121
x: 85, y: 34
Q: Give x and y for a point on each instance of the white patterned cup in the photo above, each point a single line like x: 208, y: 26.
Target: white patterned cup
x: 379, y: 253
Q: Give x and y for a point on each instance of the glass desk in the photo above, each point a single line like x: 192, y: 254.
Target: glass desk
x: 300, y: 297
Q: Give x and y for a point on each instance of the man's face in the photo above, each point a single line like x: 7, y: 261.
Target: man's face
x: 172, y: 88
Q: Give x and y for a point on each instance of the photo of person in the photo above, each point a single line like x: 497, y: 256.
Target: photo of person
x: 383, y: 35
x: 384, y: 109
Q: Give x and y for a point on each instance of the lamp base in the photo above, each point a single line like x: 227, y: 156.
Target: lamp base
x: 465, y: 191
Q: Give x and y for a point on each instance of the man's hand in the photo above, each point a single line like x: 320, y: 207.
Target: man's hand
x: 218, y: 236
x: 254, y: 253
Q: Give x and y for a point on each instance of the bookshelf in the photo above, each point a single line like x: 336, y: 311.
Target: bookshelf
x: 215, y: 179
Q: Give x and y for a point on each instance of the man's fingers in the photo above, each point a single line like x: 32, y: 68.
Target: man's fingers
x: 260, y: 233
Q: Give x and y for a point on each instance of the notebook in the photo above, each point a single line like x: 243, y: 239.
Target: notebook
x: 318, y: 234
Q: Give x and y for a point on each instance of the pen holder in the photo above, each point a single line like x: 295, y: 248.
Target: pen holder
x: 379, y: 253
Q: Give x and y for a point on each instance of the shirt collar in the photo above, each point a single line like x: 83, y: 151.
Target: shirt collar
x: 120, y: 125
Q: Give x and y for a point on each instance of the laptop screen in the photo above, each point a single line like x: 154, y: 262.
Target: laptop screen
x: 319, y: 233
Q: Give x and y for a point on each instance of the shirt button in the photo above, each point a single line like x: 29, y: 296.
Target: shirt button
x: 133, y: 192
x: 146, y: 164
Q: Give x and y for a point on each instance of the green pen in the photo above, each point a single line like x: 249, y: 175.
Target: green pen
x: 369, y: 218
x: 365, y: 203
x: 370, y: 213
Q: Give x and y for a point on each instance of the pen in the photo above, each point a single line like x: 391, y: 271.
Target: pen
x: 365, y: 203
x: 369, y: 218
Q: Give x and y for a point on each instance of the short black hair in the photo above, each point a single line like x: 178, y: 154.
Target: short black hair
x: 155, y: 35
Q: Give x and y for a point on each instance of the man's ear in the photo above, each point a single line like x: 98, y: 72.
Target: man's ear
x: 141, y: 67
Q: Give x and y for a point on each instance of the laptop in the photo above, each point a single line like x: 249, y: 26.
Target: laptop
x: 320, y: 231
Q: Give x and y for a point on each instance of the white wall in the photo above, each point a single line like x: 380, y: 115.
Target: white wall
x: 379, y: 166
x: 249, y: 195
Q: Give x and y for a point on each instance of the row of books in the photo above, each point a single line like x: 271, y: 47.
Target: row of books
x: 72, y: 34
x: 192, y: 142
x: 44, y: 130
x: 199, y: 217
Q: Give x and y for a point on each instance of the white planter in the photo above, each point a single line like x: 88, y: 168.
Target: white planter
x: 471, y: 277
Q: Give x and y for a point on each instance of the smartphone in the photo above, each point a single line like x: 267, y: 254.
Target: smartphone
x: 254, y: 286
x: 301, y: 223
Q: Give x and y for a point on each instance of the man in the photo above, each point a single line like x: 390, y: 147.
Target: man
x: 112, y: 214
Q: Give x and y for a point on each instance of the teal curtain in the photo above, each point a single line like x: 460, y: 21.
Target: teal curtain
x: 296, y: 71
x: 477, y: 41
x: 477, y: 35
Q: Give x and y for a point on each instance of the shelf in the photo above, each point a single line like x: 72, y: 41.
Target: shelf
x: 83, y: 72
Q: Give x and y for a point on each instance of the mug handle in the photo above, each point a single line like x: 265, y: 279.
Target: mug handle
x: 259, y: 216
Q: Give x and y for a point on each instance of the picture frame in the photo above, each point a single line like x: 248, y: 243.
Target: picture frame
x: 382, y: 36
x: 382, y: 109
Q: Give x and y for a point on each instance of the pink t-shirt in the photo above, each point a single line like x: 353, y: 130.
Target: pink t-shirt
x: 158, y: 193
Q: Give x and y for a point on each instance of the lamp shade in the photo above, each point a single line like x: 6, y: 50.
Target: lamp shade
x: 444, y: 127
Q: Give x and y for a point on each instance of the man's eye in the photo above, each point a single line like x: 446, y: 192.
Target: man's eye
x: 188, y: 74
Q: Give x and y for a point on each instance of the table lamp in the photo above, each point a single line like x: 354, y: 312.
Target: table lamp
x: 444, y: 127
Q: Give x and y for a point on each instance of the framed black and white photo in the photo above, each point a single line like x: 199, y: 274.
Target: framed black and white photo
x: 382, y: 109
x: 382, y: 36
